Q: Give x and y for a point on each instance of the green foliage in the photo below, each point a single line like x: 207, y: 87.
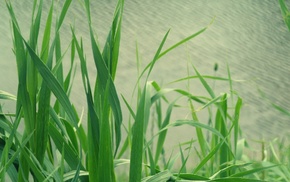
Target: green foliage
x: 54, y: 145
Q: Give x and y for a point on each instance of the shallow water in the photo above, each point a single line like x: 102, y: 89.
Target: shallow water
x: 250, y: 35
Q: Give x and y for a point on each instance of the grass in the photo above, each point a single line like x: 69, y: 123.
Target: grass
x: 55, y: 146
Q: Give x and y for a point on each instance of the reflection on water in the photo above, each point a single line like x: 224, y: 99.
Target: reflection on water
x: 249, y: 35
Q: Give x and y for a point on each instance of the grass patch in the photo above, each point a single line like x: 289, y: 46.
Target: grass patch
x: 55, y: 146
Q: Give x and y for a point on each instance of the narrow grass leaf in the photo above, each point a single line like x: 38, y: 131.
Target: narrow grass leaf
x: 236, y: 180
x: 188, y: 176
x: 201, y: 139
x: 162, y: 176
x: 236, y: 122
x: 63, y: 13
x: 54, y: 86
x: 7, y: 96
x: 71, y: 155
x: 208, y: 157
x: 138, y: 135
x: 104, y: 77
x: 204, y: 83
x: 93, y: 120
x: 162, y: 135
x: 105, y: 167
x: 46, y: 35
x: 252, y: 171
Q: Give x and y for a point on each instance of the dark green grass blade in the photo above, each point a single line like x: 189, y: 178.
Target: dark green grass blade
x: 138, y: 135
x: 162, y: 136
x: 41, y: 126
x: 151, y: 162
x: 54, y: 86
x: 104, y: 77
x: 106, y: 168
x: 236, y: 122
x: 112, y: 45
x: 220, y: 125
x: 5, y: 152
x: 93, y: 120
x: 63, y: 13
x: 70, y: 154
x: 22, y: 93
x: 188, y: 176
x: 208, y: 157
x: 46, y: 35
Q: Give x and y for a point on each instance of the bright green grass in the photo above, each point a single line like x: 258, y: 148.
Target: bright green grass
x: 56, y: 147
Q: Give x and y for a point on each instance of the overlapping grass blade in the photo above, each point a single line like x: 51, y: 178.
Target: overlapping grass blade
x: 5, y: 152
x: 105, y: 167
x: 233, y: 179
x: 138, y: 135
x: 7, y: 96
x: 201, y: 139
x: 162, y: 176
x: 188, y: 176
x: 220, y: 125
x: 236, y: 122
x: 162, y: 135
x: 70, y: 154
x: 171, y: 48
x: 255, y: 170
x: 104, y: 77
x: 93, y: 120
x: 111, y: 49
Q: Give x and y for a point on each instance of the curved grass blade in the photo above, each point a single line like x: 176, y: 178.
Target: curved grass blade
x: 7, y: 96
x: 93, y: 120
x: 162, y: 176
x: 236, y: 180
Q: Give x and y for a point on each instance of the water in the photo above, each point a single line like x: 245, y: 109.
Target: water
x: 250, y: 35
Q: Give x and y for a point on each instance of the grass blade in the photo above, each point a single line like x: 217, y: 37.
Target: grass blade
x: 138, y: 135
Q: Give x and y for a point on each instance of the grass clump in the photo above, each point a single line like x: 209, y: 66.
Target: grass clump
x: 54, y: 145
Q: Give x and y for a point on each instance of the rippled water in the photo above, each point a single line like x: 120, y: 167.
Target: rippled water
x: 249, y: 35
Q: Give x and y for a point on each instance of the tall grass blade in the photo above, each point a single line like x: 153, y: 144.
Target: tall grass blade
x: 162, y: 135
x: 104, y: 77
x: 138, y: 135
x: 220, y: 125
x: 105, y: 168
x: 201, y: 139
x: 93, y: 120
x: 236, y: 122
